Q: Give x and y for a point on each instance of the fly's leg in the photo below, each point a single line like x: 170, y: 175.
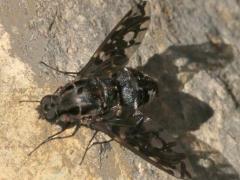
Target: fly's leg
x: 89, y: 146
x: 60, y: 71
x: 103, y: 147
x: 53, y: 137
x: 86, y: 150
x: 101, y: 143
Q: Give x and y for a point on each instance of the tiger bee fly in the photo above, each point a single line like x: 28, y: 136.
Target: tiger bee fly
x: 106, y: 97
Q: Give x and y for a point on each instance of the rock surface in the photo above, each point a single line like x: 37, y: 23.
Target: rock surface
x: 192, y: 48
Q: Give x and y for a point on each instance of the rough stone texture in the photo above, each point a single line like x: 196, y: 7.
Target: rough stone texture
x: 192, y: 48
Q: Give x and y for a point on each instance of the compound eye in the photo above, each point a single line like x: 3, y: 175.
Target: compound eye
x: 49, y: 107
x: 46, y: 107
x: 51, y: 116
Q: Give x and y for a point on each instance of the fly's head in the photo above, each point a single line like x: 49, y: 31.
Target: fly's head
x: 76, y: 101
x: 48, y: 108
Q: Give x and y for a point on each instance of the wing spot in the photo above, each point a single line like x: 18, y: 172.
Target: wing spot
x: 109, y: 41
x: 129, y: 36
x: 153, y: 158
x: 120, y: 27
x: 101, y: 54
x: 136, y: 147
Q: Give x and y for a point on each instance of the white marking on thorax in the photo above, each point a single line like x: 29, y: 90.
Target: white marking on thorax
x: 135, y: 104
x: 151, y: 94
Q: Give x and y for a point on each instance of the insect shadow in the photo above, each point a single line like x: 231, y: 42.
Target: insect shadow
x: 208, y: 163
x: 176, y: 111
x: 179, y: 112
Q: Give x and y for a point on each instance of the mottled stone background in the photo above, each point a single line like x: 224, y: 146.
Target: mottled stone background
x: 192, y: 48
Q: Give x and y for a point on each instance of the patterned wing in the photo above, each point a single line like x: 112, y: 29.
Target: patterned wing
x: 154, y: 145
x: 120, y: 44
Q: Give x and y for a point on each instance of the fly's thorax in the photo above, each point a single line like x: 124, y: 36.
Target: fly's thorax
x: 82, y: 99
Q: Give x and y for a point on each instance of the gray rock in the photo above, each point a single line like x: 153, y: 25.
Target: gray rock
x: 192, y: 49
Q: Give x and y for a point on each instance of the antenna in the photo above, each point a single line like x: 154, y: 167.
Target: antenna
x: 29, y: 101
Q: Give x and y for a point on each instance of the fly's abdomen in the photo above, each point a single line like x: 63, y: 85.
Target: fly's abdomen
x: 147, y: 87
x: 135, y: 87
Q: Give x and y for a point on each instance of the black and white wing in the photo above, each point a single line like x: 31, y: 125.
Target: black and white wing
x: 140, y: 135
x: 121, y: 42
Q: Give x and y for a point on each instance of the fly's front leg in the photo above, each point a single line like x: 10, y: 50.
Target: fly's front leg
x: 55, y: 137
